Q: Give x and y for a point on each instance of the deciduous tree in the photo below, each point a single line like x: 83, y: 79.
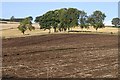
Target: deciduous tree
x: 83, y: 20
x: 96, y: 19
x: 116, y: 22
x: 26, y: 24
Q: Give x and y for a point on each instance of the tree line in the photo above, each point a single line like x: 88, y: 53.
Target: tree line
x: 65, y: 19
x: 13, y: 19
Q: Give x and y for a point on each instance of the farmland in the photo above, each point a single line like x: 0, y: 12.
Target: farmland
x: 61, y: 56
x: 10, y: 31
x: 53, y: 40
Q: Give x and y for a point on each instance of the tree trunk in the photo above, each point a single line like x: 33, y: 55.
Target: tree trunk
x: 55, y: 30
x: 23, y: 32
x: 68, y: 28
x: 49, y: 31
x: 96, y: 29
x: 59, y: 29
x: 64, y: 29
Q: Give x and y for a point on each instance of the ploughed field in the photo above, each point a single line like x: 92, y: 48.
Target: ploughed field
x: 61, y: 56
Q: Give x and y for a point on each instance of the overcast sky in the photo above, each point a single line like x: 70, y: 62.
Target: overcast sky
x: 24, y: 9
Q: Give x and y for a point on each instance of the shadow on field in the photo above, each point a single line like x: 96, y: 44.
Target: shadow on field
x: 78, y: 31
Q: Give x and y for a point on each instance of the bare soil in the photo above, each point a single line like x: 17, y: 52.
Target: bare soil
x: 61, y: 56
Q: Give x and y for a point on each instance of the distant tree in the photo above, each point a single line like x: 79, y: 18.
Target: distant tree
x: 116, y: 22
x: 48, y: 20
x: 55, y: 20
x: 12, y: 18
x: 83, y: 20
x: 68, y: 18
x: 22, y: 28
x: 63, y: 19
x: 37, y: 19
x: 73, y: 16
x: 96, y: 19
x: 30, y: 17
x: 26, y: 24
x: 45, y: 21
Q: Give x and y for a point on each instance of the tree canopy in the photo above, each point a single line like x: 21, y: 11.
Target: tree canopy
x: 116, y: 22
x: 96, y: 19
x: 26, y: 24
x: 83, y: 20
x: 12, y: 18
x: 65, y: 18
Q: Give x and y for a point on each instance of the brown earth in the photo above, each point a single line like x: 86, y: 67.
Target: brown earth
x: 61, y: 56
